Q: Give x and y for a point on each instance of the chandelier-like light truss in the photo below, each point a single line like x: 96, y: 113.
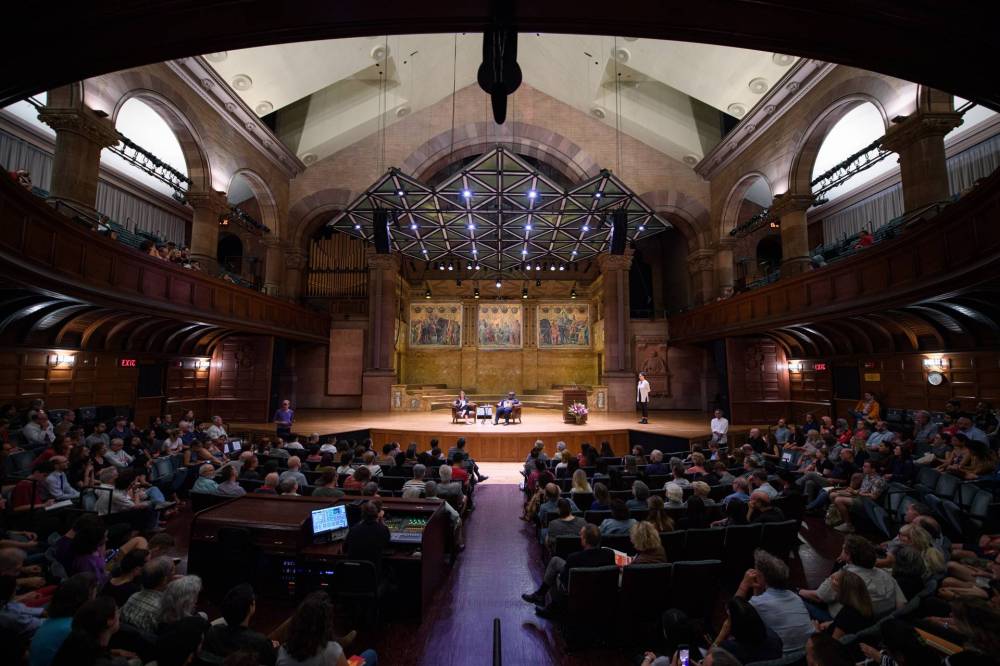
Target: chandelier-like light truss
x: 498, y: 214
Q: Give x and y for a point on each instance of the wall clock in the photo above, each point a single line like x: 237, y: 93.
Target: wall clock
x: 935, y: 378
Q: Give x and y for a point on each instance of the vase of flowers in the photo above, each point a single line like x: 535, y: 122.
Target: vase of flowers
x: 579, y: 412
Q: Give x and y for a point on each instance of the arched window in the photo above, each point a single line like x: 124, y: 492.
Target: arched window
x: 144, y: 126
x: 858, y: 128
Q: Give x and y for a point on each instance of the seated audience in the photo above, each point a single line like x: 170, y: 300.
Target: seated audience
x: 646, y: 540
x: 310, y: 637
x: 766, y: 587
x: 602, y: 498
x: 326, y: 485
x: 230, y: 485
x: 556, y: 576
x: 142, y: 610
x: 566, y: 524
x: 619, y: 523
x: 205, y: 483
x: 238, y: 608
x: 657, y: 516
x: 68, y: 598
x: 87, y: 643
x: 859, y: 557
x: 123, y: 582
x: 414, y: 488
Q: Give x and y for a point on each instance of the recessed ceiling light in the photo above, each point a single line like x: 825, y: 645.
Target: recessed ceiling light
x: 309, y: 158
x: 379, y: 52
x: 218, y: 56
x: 622, y: 54
x: 532, y: 194
x: 758, y: 86
x: 467, y: 194
x: 690, y: 160
x: 782, y: 59
x: 264, y: 108
x: 241, y: 82
x: 736, y: 110
x: 402, y: 111
x: 598, y: 112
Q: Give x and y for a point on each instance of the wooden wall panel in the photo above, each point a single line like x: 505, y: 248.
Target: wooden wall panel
x: 240, y: 381
x: 345, y: 362
x: 506, y: 448
x: 758, y: 382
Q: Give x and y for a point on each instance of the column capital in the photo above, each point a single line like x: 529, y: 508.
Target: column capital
x: 615, y: 262
x: 208, y: 202
x: 701, y: 260
x: 788, y: 202
x: 726, y: 243
x: 918, y: 126
x: 295, y: 258
x: 271, y: 242
x: 81, y: 121
x: 382, y: 261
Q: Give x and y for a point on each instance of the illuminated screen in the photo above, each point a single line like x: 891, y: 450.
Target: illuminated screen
x: 329, y: 519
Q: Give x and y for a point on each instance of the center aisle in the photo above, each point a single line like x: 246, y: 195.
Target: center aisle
x: 499, y: 563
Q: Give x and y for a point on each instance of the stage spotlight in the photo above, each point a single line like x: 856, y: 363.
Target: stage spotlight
x: 552, y: 267
x: 572, y: 294
x: 524, y: 251
x: 532, y: 194
x: 597, y: 195
x: 467, y: 194
x: 440, y: 266
x: 524, y: 292
x: 499, y: 283
x: 477, y: 266
x: 538, y: 267
x: 427, y: 294
x: 468, y: 267
x: 413, y: 226
x: 538, y: 283
x: 527, y: 227
x: 527, y: 266
x: 573, y: 253
x: 562, y: 267
x: 475, y: 294
x: 585, y: 228
x: 451, y: 266
x: 401, y: 193
x: 472, y: 227
x: 356, y: 226
x: 642, y: 227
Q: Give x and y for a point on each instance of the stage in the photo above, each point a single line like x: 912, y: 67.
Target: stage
x: 668, y: 430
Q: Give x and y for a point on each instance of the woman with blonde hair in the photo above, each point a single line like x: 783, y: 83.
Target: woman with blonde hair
x: 657, y: 515
x: 648, y: 547
x: 580, y: 483
x: 702, y: 490
x: 920, y: 540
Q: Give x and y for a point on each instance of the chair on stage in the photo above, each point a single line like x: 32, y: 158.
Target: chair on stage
x: 455, y: 416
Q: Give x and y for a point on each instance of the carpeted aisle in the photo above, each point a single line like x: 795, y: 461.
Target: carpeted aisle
x: 499, y: 563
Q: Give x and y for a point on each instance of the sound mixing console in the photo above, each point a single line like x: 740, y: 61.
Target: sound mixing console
x: 405, y: 529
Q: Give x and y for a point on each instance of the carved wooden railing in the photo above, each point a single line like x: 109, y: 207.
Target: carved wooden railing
x: 957, y: 249
x: 41, y: 248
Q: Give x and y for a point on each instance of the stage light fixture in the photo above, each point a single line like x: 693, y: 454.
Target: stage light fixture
x: 427, y: 294
x: 475, y: 294
x: 524, y: 292
x: 477, y: 266
x: 356, y: 226
x: 562, y: 267
x: 451, y: 266
x: 572, y: 293
x: 527, y: 266
x: 597, y: 195
x: 413, y: 226
x: 527, y: 227
x: 424, y: 250
x: 499, y: 283
x: 440, y: 266
x: 573, y: 253
x: 552, y: 267
x: 585, y: 228
x: 401, y: 193
x: 467, y: 194
x: 538, y: 283
x: 468, y: 266
x: 642, y: 227
x: 538, y: 267
x: 472, y: 227
x: 532, y: 194
x: 524, y: 251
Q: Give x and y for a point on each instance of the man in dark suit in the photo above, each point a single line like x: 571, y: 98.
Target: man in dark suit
x: 556, y: 578
x: 367, y: 539
x: 505, y: 408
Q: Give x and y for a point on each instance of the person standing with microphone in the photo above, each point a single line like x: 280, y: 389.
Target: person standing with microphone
x: 642, y: 398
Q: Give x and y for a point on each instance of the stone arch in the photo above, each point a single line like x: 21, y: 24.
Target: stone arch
x: 735, y: 198
x: 265, y: 199
x: 684, y: 212
x: 476, y: 138
x: 932, y: 100
x: 307, y: 215
x: 192, y: 145
x: 800, y: 172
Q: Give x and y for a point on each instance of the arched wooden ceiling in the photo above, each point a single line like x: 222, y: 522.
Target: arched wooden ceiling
x: 32, y: 319
x: 964, y: 321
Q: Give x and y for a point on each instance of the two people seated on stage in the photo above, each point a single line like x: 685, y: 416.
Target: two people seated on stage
x: 506, y: 408
x: 462, y: 408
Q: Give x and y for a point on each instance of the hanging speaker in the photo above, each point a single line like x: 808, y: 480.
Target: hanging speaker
x: 619, y: 227
x: 380, y: 224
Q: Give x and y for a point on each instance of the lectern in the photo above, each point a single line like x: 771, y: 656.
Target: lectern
x: 569, y: 396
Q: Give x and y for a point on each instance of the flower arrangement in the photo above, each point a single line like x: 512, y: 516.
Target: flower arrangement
x: 578, y: 409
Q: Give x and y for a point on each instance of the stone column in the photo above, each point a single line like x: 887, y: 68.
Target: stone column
x: 791, y: 210
x: 619, y: 375
x: 208, y: 207
x: 273, y: 274
x: 81, y: 135
x: 724, y: 267
x: 296, y: 262
x: 701, y: 264
x: 380, y: 352
x: 919, y: 142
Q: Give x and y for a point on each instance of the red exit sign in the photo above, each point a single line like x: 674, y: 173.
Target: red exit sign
x: 128, y: 362
x: 819, y: 366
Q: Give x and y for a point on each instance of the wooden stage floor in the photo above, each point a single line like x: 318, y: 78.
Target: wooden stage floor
x: 502, y: 443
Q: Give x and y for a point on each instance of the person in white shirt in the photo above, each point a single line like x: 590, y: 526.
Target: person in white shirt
x: 642, y: 397
x: 58, y: 485
x: 720, y: 427
x: 117, y: 455
x: 39, y: 431
x: 104, y: 491
x: 173, y: 443
x: 216, y: 431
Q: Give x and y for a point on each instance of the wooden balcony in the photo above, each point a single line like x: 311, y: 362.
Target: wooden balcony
x: 956, y: 251
x: 42, y: 249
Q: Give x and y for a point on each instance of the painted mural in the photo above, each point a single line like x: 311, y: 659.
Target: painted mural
x: 436, y: 325
x: 564, y: 326
x: 500, y: 325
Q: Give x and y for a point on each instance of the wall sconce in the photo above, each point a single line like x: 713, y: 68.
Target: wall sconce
x: 62, y: 359
x: 202, y: 364
x: 795, y: 366
x: 934, y: 363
